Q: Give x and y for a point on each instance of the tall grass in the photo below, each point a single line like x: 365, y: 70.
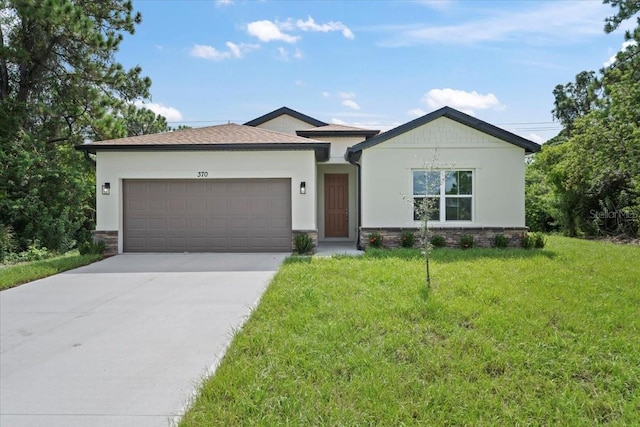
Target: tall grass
x: 503, y: 337
x: 17, y: 274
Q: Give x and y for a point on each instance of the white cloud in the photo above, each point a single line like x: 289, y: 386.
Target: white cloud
x: 170, y: 113
x: 298, y: 54
x: 438, y: 4
x: 311, y: 25
x: 624, y: 47
x: 221, y: 3
x: 351, y: 104
x: 299, y: 83
x: 544, y: 23
x: 467, y: 102
x: 267, y: 31
x: 416, y: 112
x: 326, y: 94
x: 238, y: 50
x: 283, y: 55
x: 210, y: 52
x: 336, y: 121
x: 346, y: 95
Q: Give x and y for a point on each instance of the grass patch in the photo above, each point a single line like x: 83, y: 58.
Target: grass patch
x: 504, y: 337
x: 17, y: 274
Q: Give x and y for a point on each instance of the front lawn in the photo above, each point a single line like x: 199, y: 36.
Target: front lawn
x: 504, y: 337
x: 17, y: 274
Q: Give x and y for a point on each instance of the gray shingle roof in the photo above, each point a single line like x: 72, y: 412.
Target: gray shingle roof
x: 221, y: 134
x: 229, y: 137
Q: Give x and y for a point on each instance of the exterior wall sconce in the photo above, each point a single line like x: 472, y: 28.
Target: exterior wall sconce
x: 106, y: 188
x: 303, y: 187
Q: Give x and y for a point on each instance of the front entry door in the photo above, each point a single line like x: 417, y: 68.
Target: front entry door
x: 336, y: 205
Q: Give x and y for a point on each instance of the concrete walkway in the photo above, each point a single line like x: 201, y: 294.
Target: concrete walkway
x: 123, y: 342
x: 328, y: 249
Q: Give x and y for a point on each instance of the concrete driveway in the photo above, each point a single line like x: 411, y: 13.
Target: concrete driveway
x: 122, y: 342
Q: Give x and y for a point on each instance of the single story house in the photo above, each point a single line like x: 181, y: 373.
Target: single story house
x: 252, y: 187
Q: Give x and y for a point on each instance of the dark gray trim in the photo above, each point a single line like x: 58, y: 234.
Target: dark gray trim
x: 453, y: 114
x: 282, y: 111
x: 310, y: 133
x: 321, y: 148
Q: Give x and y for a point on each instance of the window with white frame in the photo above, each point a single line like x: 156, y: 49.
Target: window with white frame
x: 449, y: 194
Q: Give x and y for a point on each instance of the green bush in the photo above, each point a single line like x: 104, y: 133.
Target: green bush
x: 539, y: 241
x: 438, y: 241
x: 375, y: 239
x: 303, y: 244
x: 466, y: 241
x: 407, y: 239
x: 92, y: 248
x: 7, y: 241
x: 526, y: 241
x: 500, y: 241
x: 34, y: 252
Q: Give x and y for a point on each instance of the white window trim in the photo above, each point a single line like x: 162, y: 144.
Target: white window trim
x: 443, y: 196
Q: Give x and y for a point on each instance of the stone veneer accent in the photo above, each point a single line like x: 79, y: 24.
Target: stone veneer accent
x: 110, y: 239
x: 312, y: 233
x: 482, y: 236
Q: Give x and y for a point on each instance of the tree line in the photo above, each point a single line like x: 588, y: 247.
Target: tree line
x: 60, y: 85
x: 586, y: 180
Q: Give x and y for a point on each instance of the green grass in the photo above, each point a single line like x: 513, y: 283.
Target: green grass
x: 14, y: 275
x: 504, y: 337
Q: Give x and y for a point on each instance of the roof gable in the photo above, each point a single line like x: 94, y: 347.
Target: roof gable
x: 455, y: 115
x: 285, y: 111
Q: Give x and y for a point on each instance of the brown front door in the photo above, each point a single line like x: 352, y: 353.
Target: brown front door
x: 336, y: 205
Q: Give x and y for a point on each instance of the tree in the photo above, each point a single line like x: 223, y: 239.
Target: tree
x: 58, y: 78
x: 575, y: 99
x: 626, y: 10
x: 589, y: 180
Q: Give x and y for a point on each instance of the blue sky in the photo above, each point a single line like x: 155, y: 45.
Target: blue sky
x: 373, y: 64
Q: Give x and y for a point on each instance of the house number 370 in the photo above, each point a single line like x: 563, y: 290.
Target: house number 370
x: 203, y: 174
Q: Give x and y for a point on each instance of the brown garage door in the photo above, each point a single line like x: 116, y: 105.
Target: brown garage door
x: 217, y: 215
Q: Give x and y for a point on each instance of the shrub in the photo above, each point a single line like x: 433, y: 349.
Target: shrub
x: 375, y: 239
x: 93, y: 248
x: 526, y: 241
x: 34, y: 252
x: 500, y: 241
x: 303, y: 244
x: 7, y: 241
x: 407, y: 239
x: 539, y: 241
x: 438, y: 241
x: 466, y: 241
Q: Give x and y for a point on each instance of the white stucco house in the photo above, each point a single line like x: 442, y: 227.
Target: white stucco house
x: 253, y: 187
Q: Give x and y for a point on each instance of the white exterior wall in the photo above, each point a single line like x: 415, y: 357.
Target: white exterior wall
x: 114, y: 167
x: 498, y: 175
x: 286, y: 124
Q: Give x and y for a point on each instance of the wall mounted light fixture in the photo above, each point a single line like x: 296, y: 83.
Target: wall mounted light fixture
x: 303, y: 187
x: 106, y: 188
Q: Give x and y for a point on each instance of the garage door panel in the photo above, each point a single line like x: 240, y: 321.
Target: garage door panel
x: 239, y: 215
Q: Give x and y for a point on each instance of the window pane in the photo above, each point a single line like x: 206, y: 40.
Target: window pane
x: 419, y: 183
x: 458, y: 182
x: 426, y: 183
x: 432, y: 204
x: 451, y: 183
x: 458, y: 209
x: 465, y: 182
